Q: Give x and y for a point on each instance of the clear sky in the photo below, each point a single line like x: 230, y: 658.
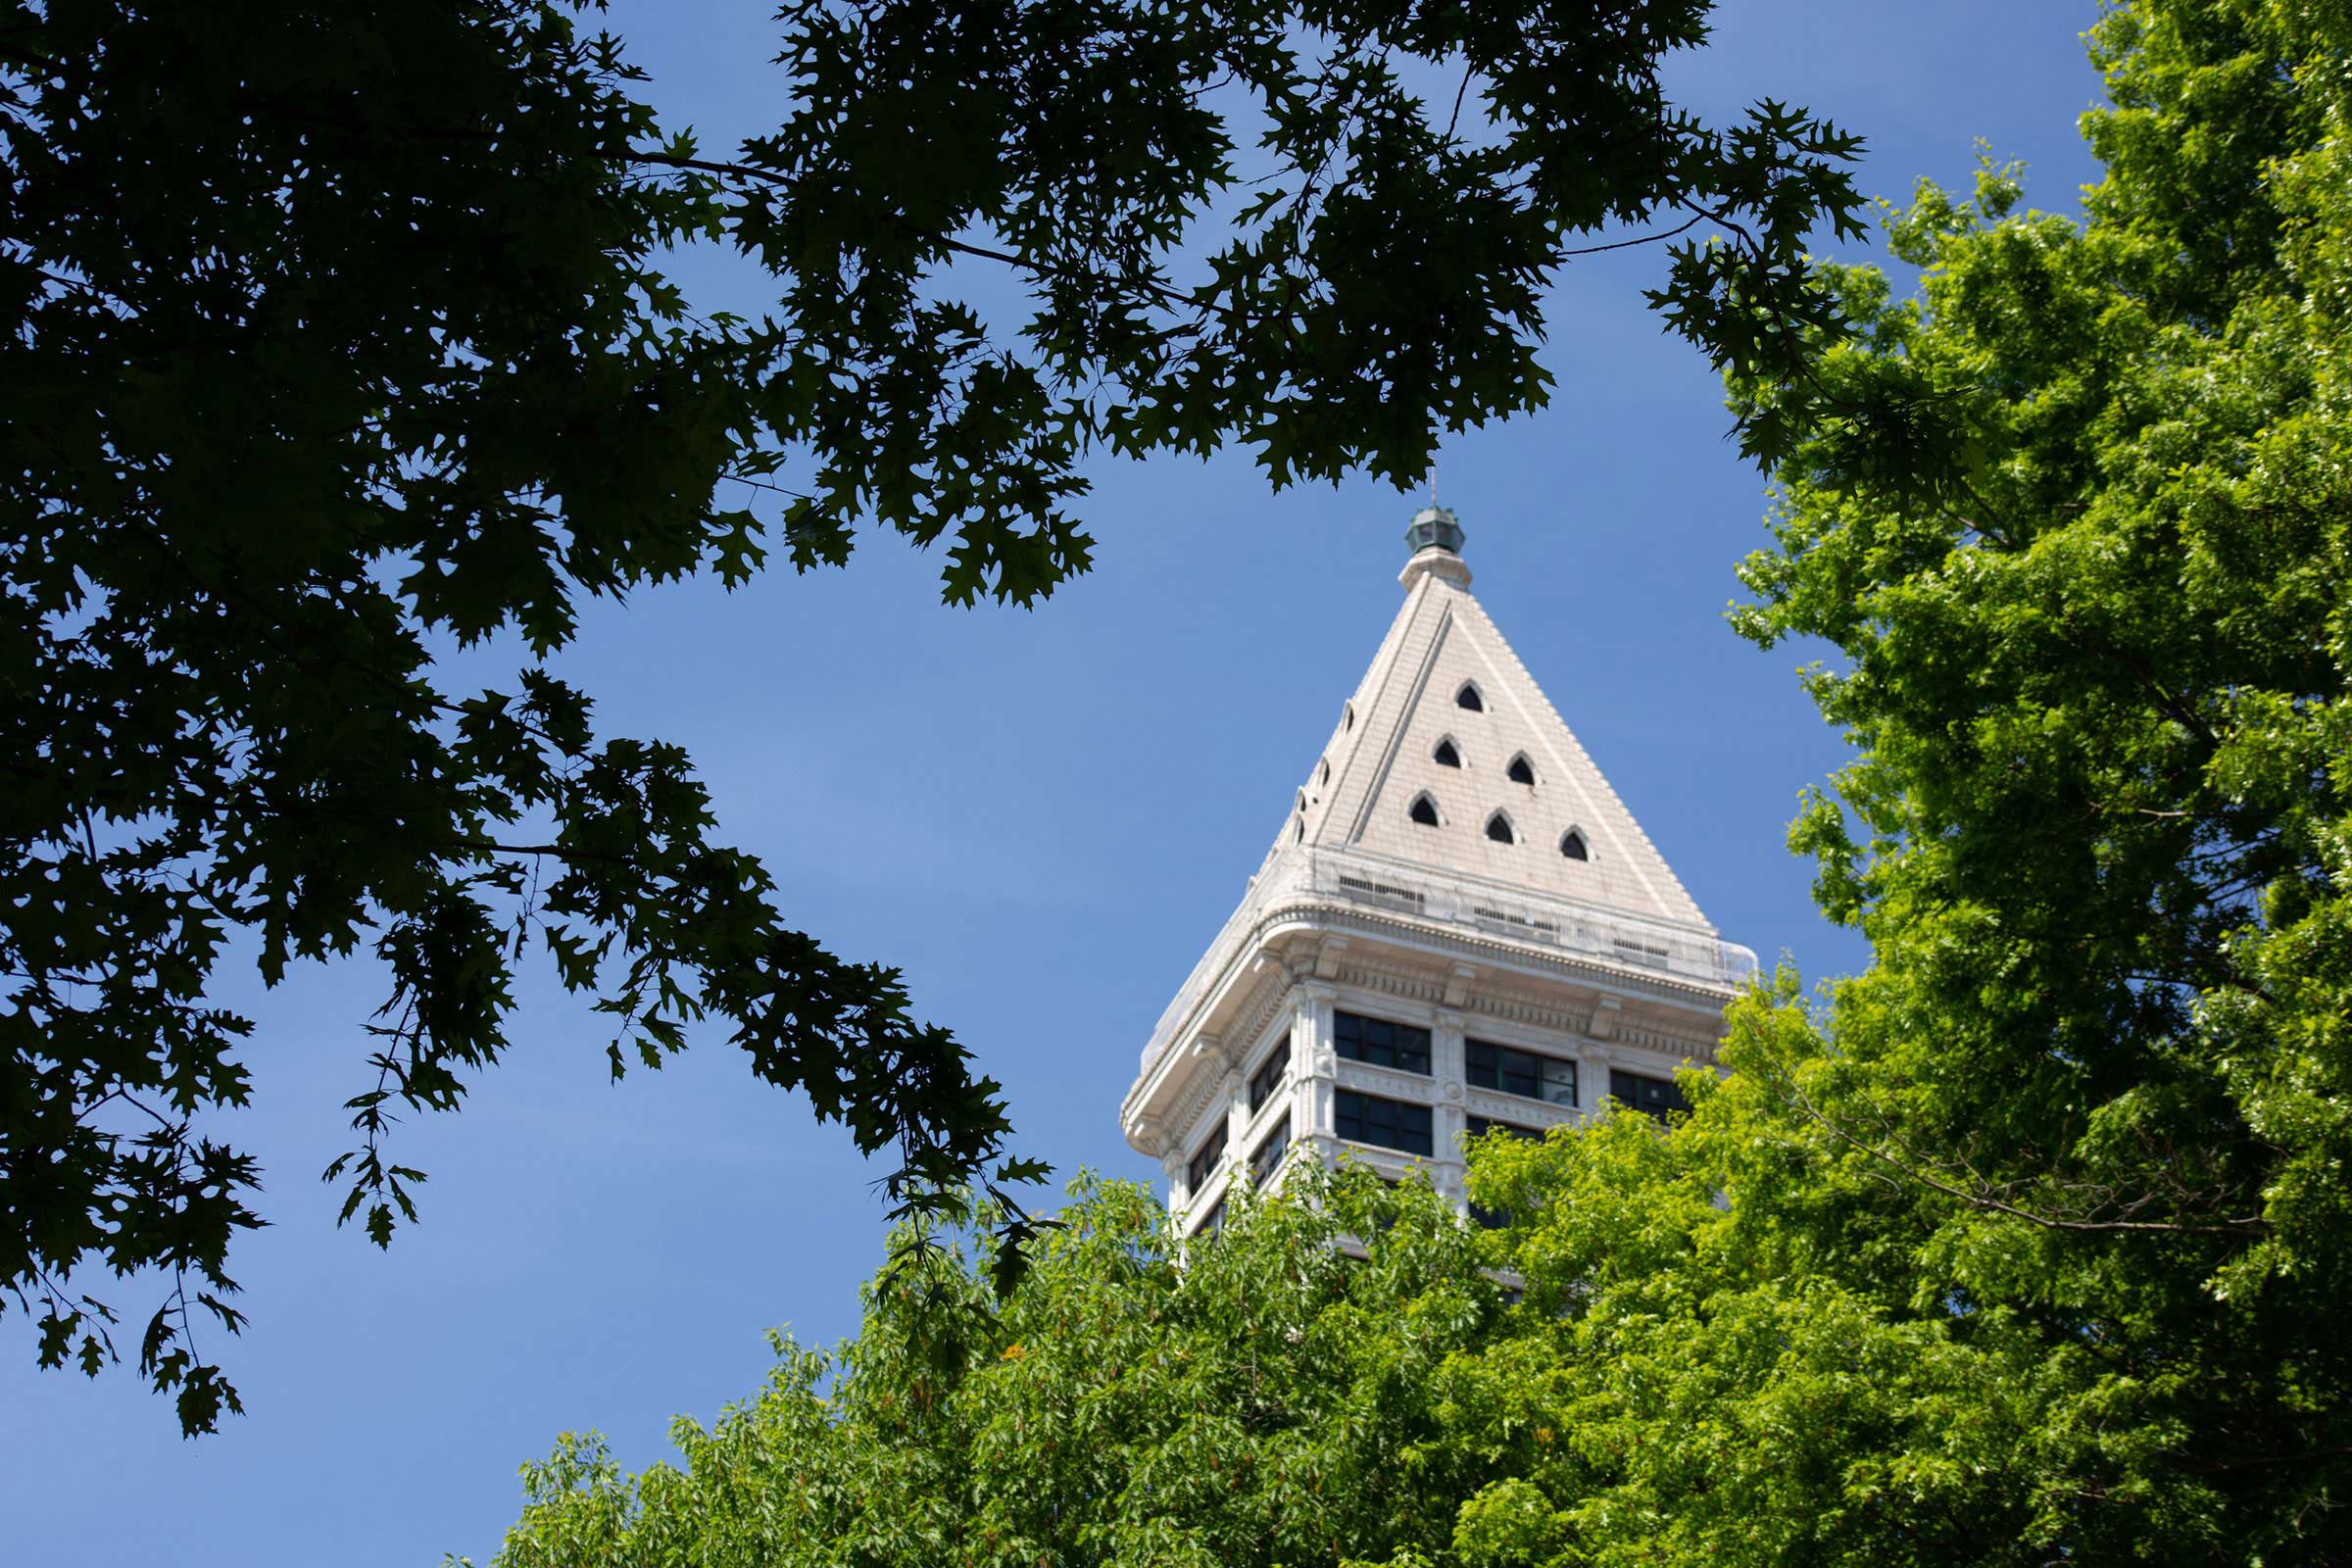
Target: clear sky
x: 1041, y: 817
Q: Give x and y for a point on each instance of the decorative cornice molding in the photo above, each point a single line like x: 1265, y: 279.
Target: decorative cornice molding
x: 1517, y: 1110
x: 1387, y: 1081
x: 1408, y: 960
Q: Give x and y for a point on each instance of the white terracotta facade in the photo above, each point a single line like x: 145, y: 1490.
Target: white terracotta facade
x: 1603, y: 962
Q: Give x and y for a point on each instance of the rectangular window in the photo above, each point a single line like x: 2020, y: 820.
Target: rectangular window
x: 1384, y: 1123
x: 1205, y: 1161
x: 1551, y: 1079
x: 1654, y: 1096
x: 1380, y: 1042
x: 1267, y: 1159
x: 1479, y: 1127
x: 1268, y: 1077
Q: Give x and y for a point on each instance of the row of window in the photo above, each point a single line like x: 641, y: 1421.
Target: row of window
x: 1268, y: 1154
x: 1393, y: 1124
x: 1520, y: 770
x: 1467, y: 697
x: 1424, y: 811
x: 1264, y: 1160
x: 1406, y: 1047
x: 1408, y: 1129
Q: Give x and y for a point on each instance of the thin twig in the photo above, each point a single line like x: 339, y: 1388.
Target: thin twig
x: 1983, y: 1200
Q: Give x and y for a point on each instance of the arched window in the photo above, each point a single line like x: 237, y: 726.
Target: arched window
x: 1323, y: 771
x: 1298, y: 836
x: 1446, y: 756
x: 1468, y: 698
x: 1521, y: 771
x: 1498, y: 828
x: 1347, y: 718
x: 1572, y: 845
x: 1424, y: 811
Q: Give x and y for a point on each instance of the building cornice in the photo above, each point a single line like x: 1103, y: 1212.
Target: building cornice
x: 1310, y: 940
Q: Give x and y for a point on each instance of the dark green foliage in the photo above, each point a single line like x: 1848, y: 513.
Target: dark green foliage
x: 339, y: 342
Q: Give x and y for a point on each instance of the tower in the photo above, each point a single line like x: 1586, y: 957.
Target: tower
x: 1460, y: 926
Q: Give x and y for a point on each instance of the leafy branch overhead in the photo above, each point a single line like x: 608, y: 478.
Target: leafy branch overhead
x: 1235, y: 222
x: 341, y: 343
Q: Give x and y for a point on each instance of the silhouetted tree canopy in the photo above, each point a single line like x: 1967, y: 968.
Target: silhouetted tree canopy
x: 341, y: 340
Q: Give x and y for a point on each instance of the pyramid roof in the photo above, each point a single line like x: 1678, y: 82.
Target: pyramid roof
x: 1443, y: 714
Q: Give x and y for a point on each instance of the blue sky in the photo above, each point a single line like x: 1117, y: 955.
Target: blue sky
x: 1041, y: 817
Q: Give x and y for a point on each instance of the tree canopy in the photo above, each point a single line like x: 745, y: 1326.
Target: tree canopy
x: 1260, y: 1398
x: 2025, y: 1245
x: 2083, y: 1120
x: 343, y: 341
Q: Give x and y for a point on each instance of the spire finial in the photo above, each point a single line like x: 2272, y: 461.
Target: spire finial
x: 1434, y: 528
x: 1435, y: 540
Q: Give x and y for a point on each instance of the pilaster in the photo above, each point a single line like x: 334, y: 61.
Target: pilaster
x: 1448, y: 1071
x: 1317, y: 1067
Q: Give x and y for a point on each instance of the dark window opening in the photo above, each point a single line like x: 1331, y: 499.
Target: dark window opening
x: 1521, y: 771
x: 1652, y: 1097
x: 1380, y: 1042
x: 1266, y: 1158
x: 1446, y: 756
x: 1521, y: 1072
x: 1347, y: 718
x: 1498, y: 828
x: 1268, y: 1077
x: 1572, y: 846
x: 1425, y: 810
x: 1468, y: 698
x: 1205, y: 1161
x: 1382, y: 1123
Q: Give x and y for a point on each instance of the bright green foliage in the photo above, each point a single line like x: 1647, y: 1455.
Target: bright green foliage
x: 2034, y: 1242
x: 339, y: 342
x: 1265, y: 1400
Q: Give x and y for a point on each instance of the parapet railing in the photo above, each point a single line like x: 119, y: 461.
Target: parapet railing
x: 1585, y: 930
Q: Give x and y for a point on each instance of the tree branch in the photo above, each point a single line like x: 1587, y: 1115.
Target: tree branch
x: 768, y: 176
x: 2235, y: 1227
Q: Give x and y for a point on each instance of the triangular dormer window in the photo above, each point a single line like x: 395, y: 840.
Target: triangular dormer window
x: 1468, y: 698
x: 1446, y: 755
x: 1498, y: 828
x: 1521, y: 771
x: 1424, y: 811
x: 1572, y: 846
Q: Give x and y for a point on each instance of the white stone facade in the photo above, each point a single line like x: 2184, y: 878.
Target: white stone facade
x: 1601, y: 961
